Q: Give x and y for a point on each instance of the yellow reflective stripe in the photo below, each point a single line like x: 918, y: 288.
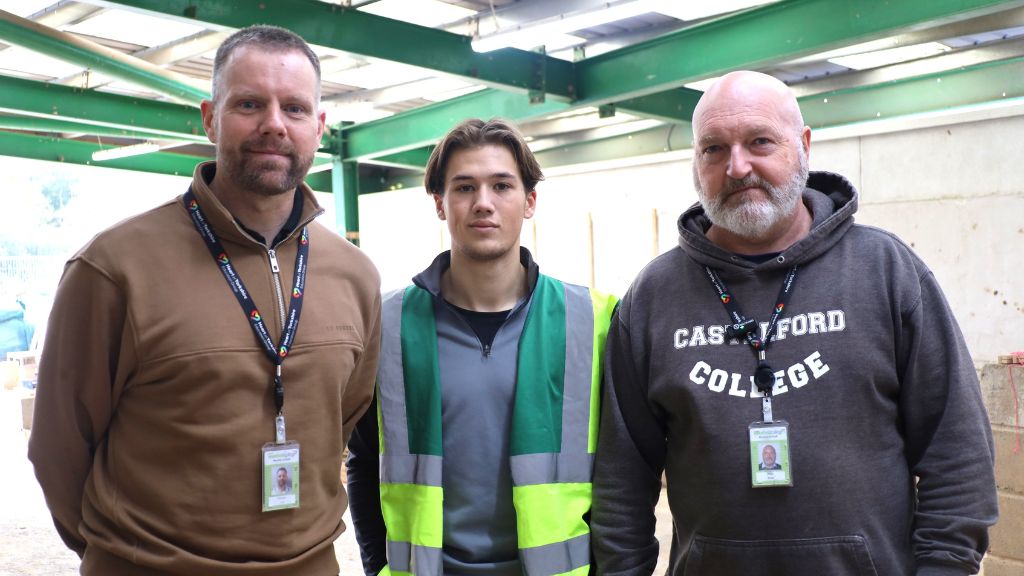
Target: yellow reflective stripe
x: 604, y: 306
x: 412, y: 513
x: 550, y: 513
x: 386, y: 571
x: 581, y: 571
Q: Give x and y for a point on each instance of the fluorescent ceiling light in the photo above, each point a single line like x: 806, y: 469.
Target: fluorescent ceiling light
x: 429, y: 13
x: 34, y: 63
x: 26, y: 8
x: 125, y: 151
x: 134, y: 28
x: 891, y: 56
x: 448, y: 95
x: 694, y: 10
x: 355, y: 112
x: 541, y: 33
x: 378, y: 74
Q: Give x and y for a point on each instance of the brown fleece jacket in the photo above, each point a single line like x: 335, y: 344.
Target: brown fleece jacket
x: 155, y: 396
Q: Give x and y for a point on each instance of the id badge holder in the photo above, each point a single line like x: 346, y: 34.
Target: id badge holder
x: 280, y: 470
x: 770, y: 464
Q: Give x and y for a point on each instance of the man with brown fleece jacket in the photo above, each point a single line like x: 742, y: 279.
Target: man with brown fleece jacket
x: 183, y: 339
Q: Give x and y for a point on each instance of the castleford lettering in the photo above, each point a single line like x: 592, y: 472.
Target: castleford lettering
x: 796, y: 325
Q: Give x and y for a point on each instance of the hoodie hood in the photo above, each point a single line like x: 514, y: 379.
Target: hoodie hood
x: 832, y: 201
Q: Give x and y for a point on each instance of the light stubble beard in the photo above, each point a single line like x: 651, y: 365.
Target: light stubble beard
x: 753, y: 220
x: 262, y: 177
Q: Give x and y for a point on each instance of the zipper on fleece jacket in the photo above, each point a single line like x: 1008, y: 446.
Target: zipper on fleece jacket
x: 278, y: 291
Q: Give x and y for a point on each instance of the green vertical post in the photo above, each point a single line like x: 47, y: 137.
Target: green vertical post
x: 344, y: 184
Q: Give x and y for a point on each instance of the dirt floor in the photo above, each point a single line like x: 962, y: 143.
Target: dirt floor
x: 29, y: 545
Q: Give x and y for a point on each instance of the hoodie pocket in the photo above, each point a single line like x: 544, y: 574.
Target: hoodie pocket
x: 836, y: 556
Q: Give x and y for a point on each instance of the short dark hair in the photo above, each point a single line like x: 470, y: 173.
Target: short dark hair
x: 475, y: 132
x: 266, y: 38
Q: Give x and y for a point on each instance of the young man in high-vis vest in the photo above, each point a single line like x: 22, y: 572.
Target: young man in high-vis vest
x: 478, y: 456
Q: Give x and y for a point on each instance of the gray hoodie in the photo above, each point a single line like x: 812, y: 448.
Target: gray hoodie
x: 872, y: 375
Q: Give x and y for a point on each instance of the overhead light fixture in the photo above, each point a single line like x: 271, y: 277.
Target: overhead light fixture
x: 880, y: 58
x: 125, y: 151
x: 695, y: 10
x: 538, y: 33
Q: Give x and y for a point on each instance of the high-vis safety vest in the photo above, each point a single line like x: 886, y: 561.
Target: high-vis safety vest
x: 553, y: 437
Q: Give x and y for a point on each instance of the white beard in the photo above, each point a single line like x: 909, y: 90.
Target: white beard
x: 754, y: 219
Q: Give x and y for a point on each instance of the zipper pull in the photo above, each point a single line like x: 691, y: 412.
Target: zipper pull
x: 273, y: 261
x: 487, y: 350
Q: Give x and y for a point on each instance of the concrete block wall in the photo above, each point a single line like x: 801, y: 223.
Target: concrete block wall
x: 1003, y: 390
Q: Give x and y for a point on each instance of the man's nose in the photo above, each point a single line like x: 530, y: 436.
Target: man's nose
x: 739, y: 163
x: 273, y: 122
x: 484, y: 199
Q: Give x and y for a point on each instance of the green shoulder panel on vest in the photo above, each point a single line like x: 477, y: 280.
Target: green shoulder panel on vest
x: 422, y: 372
x: 540, y: 380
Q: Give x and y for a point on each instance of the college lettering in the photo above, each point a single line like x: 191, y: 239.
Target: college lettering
x: 796, y: 376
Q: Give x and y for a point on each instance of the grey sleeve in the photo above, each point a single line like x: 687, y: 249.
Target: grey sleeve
x: 630, y: 460
x: 948, y: 438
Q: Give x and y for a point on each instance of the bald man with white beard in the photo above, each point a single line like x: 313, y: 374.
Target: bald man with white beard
x: 777, y: 319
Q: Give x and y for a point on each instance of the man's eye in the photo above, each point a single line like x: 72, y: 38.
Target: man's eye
x: 502, y: 186
x: 762, y: 141
x: 295, y: 109
x: 247, y: 105
x: 712, y: 149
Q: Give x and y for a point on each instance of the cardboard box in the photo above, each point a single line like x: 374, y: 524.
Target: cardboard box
x: 28, y: 405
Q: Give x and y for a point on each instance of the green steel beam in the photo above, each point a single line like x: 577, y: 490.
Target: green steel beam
x: 950, y: 90
x: 29, y: 97
x: 415, y: 159
x: 672, y: 105
x: 149, y: 118
x: 379, y: 179
x: 320, y: 181
x: 348, y: 29
x: 647, y: 78
x: 988, y: 82
x: 38, y: 38
x: 756, y: 38
x: 59, y: 124
x: 650, y: 141
x: 424, y: 126
x: 76, y: 152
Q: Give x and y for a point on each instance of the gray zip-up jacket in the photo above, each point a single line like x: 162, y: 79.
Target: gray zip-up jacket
x: 891, y: 450
x: 479, y: 386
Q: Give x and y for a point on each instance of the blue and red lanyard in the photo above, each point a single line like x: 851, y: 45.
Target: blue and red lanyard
x: 276, y: 353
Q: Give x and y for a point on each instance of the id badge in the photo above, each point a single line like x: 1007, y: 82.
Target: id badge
x: 280, y: 476
x: 770, y: 464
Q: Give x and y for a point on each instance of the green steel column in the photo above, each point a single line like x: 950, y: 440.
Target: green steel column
x: 344, y: 183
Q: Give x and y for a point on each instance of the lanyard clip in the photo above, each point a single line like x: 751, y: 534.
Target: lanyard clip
x: 279, y: 435
x: 740, y: 329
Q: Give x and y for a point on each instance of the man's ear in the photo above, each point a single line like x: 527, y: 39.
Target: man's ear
x: 206, y: 108
x: 531, y: 204
x: 439, y: 206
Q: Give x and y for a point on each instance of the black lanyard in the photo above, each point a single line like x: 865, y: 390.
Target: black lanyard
x: 764, y: 378
x: 275, y: 353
